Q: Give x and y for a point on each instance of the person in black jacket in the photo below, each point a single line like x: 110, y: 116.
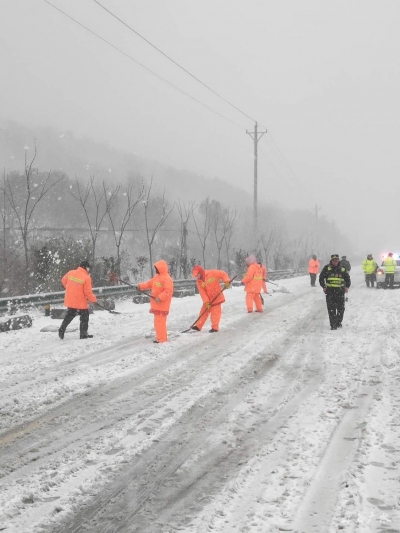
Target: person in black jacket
x: 345, y: 263
x: 335, y: 282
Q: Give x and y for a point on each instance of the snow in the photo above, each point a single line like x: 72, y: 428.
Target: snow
x: 274, y: 424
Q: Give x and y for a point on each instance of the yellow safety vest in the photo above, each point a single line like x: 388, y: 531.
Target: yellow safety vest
x: 335, y: 281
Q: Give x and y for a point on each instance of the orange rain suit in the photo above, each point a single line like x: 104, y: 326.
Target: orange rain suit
x: 313, y: 266
x: 253, y: 280
x: 210, y: 292
x: 264, y: 278
x: 162, y: 288
x: 78, y: 289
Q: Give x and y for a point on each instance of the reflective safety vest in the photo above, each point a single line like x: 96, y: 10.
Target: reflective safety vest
x: 253, y: 279
x: 210, y: 289
x: 390, y: 265
x: 335, y: 280
x: 369, y: 266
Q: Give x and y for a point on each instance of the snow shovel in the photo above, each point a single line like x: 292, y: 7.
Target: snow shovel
x: 205, y: 310
x: 280, y: 287
x: 109, y: 310
x: 130, y: 285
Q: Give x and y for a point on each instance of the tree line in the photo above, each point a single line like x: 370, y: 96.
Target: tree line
x: 50, y: 222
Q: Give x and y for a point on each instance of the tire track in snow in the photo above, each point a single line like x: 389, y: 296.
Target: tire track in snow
x: 134, y: 501
x: 109, y: 393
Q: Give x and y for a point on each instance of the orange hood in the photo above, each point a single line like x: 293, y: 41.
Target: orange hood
x: 161, y: 266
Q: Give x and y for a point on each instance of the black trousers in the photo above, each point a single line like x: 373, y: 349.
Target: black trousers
x: 84, y: 320
x: 335, y: 305
x: 313, y: 277
x: 389, y: 279
x: 370, y: 279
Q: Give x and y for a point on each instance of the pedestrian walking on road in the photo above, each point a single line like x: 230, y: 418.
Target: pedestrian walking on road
x: 335, y: 282
x: 208, y: 286
x: 252, y: 282
x: 345, y: 263
x: 313, y: 269
x: 162, y: 288
x: 78, y: 291
x: 369, y: 267
x: 390, y: 266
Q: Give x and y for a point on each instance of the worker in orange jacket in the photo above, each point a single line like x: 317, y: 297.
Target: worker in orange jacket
x: 78, y: 291
x: 313, y: 268
x: 162, y: 288
x: 208, y: 286
x: 264, y: 278
x: 252, y: 281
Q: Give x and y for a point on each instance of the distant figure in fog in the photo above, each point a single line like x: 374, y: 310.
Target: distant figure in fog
x: 369, y: 267
x: 345, y: 263
x: 264, y: 278
x: 390, y: 266
x: 313, y: 269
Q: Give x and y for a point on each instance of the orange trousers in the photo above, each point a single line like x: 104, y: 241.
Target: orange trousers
x: 215, y: 311
x: 253, y: 298
x: 160, y: 327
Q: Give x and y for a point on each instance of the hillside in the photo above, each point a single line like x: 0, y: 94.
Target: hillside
x: 83, y: 157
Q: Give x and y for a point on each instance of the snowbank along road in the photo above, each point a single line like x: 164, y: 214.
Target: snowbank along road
x: 276, y: 423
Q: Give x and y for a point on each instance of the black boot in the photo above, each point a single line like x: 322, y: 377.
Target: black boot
x: 213, y: 330
x: 61, y: 333
x: 86, y: 336
x: 195, y: 328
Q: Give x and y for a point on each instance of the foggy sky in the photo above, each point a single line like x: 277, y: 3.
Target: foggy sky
x: 321, y: 76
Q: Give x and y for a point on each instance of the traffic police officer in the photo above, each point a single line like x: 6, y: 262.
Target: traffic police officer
x: 335, y: 282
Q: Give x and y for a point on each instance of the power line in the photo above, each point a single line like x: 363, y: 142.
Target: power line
x: 172, y: 60
x: 170, y: 83
x: 289, y: 181
x: 142, y: 65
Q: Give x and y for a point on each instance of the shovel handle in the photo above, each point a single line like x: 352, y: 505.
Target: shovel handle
x: 133, y: 287
x: 109, y: 310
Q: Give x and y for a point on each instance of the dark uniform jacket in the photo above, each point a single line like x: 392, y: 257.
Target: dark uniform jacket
x: 334, y: 277
x: 345, y: 264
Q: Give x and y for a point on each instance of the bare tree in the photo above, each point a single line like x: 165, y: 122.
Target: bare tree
x: 24, y: 201
x: 4, y: 229
x: 229, y: 221
x: 185, y: 213
x: 207, y: 210
x: 130, y: 201
x: 223, y: 220
x: 151, y: 208
x: 268, y: 235
x: 96, y: 205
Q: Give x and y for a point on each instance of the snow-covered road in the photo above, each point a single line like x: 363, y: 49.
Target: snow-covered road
x: 276, y: 423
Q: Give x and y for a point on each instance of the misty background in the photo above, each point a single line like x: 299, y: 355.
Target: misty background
x: 321, y: 77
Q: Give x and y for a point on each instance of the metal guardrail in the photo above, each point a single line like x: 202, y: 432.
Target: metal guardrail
x: 35, y: 300
x: 285, y: 274
x: 180, y: 286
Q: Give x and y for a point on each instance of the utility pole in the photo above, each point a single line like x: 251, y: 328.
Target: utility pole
x: 256, y: 136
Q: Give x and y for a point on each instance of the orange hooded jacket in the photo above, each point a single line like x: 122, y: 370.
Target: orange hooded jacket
x: 253, y: 279
x: 208, y: 285
x: 78, y: 289
x: 313, y: 266
x: 264, y: 276
x: 162, y: 287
